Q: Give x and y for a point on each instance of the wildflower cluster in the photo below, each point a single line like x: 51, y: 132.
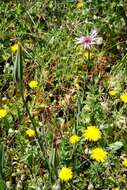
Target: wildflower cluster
x: 123, y: 97
x: 63, y: 126
x: 92, y: 133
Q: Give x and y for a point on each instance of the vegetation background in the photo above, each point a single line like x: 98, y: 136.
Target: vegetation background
x: 73, y: 89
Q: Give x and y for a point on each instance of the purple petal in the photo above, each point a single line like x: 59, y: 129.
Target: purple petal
x: 86, y: 46
x: 93, y: 33
x: 80, y: 40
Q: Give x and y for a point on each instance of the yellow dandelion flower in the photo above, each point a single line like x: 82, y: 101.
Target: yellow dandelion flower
x: 116, y: 188
x: 33, y: 84
x: 14, y: 47
x: 87, y: 55
x: 80, y: 5
x: 123, y: 98
x: 30, y: 132
x: 99, y: 154
x: 3, y: 113
x: 113, y: 92
x: 125, y: 162
x: 74, y: 139
x: 65, y: 174
x: 92, y: 133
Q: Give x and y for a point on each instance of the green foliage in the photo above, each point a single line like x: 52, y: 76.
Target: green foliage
x: 72, y: 93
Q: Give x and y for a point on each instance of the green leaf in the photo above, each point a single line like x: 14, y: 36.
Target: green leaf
x: 53, y: 162
x: 115, y: 146
x: 18, y: 69
x: 1, y: 160
x: 2, y: 185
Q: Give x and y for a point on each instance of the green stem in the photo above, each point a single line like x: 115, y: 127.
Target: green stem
x: 32, y: 121
x: 88, y: 56
x: 72, y: 152
x: 88, y: 61
x: 37, y: 137
x: 36, y: 133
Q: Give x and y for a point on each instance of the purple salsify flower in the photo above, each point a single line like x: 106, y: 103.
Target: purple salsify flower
x: 88, y: 40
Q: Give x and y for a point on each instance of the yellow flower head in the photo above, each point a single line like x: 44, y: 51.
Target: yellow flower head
x: 74, y: 139
x: 117, y: 188
x: 30, y: 132
x: 87, y: 55
x: 123, y: 98
x: 14, y: 47
x: 65, y: 174
x: 99, y: 154
x: 125, y: 162
x: 92, y: 133
x: 33, y: 84
x: 80, y: 5
x: 113, y: 92
x: 3, y: 113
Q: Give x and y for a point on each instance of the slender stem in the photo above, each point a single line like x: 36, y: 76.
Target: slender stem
x: 36, y: 133
x: 78, y: 115
x: 88, y: 61
x: 88, y: 68
x: 88, y: 56
x: 32, y: 121
x: 72, y: 152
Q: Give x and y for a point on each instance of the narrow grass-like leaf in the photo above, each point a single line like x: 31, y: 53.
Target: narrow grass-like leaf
x: 121, y: 65
x: 18, y: 69
x: 1, y: 160
x: 53, y: 162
